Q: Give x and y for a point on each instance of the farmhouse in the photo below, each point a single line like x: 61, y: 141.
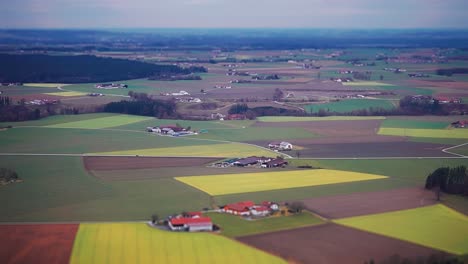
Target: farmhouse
x: 250, y: 161
x: 190, y: 224
x: 110, y: 85
x: 278, y: 162
x: 240, y: 208
x: 280, y: 145
x: 236, y: 117
x: 460, y: 124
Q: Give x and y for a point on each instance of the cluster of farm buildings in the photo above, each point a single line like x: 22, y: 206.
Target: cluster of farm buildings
x: 110, y: 85
x: 253, y: 161
x: 195, y: 221
x: 171, y: 130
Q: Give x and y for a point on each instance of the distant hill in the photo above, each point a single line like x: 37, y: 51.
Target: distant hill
x: 77, y: 69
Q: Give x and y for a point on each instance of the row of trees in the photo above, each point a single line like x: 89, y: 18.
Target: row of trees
x: 143, y: 105
x: 449, y: 180
x: 8, y: 176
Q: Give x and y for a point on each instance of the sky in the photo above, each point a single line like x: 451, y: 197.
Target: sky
x: 234, y: 14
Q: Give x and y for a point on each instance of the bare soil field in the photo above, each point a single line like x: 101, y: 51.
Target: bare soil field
x: 30, y: 97
x: 125, y: 163
x: 330, y: 243
x: 439, y: 84
x: 370, y: 203
x: 47, y: 243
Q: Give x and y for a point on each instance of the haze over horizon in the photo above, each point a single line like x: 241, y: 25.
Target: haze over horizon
x: 341, y: 14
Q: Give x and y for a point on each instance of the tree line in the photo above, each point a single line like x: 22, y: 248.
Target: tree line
x: 448, y: 180
x: 142, y: 104
x: 78, y: 69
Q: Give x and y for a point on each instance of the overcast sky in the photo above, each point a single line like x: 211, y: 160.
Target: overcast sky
x: 234, y: 13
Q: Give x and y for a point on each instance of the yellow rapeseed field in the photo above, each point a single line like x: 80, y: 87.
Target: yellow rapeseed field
x: 264, y: 181
x: 431, y: 133
x: 138, y: 243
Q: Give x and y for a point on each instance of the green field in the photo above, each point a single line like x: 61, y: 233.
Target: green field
x: 256, y: 182
x: 103, y: 122
x: 48, y: 85
x: 315, y: 118
x: 434, y: 226
x: 194, y: 125
x: 235, y: 226
x: 222, y: 150
x: 367, y: 84
x: 139, y: 243
x: 57, y: 119
x: 429, y: 133
x: 59, y: 189
x: 257, y: 133
x: 418, y: 124
x: 79, y: 141
x: 350, y: 105
x: 462, y: 150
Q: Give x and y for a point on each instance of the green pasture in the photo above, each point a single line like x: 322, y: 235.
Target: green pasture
x: 194, y: 125
x: 24, y: 90
x: 417, y: 124
x: 59, y: 189
x: 139, y: 243
x: 462, y: 150
x: 103, y: 122
x: 235, y: 226
x: 79, y: 141
x: 222, y: 150
x: 316, y: 118
x: 429, y: 133
x: 47, y: 85
x: 434, y: 226
x: 349, y: 105
x: 57, y: 119
x: 367, y: 83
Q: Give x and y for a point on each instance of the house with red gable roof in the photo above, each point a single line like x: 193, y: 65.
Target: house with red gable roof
x: 190, y: 224
x: 240, y: 208
x: 260, y: 210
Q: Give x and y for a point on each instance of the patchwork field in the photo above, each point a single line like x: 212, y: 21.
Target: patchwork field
x: 428, y: 133
x: 433, y: 226
x: 416, y: 124
x: 225, y: 150
x: 235, y: 226
x: 330, y: 243
x: 315, y: 118
x: 42, y: 244
x: 103, y: 122
x: 370, y: 202
x: 256, y: 182
x: 138, y: 243
x: 366, y: 84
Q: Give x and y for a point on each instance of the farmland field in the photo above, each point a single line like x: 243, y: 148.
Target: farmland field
x: 256, y: 182
x: 57, y: 119
x: 349, y: 105
x: 222, y: 150
x: 103, y: 122
x: 139, y: 243
x: 235, y: 226
x: 429, y: 133
x: 417, y: 124
x: 366, y: 84
x: 48, y: 85
x: 66, y: 94
x: 434, y: 226
x: 39, y: 243
x: 315, y: 118
x: 331, y: 243
x: 257, y: 133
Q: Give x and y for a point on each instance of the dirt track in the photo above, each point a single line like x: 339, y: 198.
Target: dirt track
x: 48, y: 243
x: 124, y: 163
x: 330, y: 243
x: 370, y: 203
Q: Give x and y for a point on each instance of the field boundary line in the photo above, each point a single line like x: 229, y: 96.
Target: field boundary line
x: 446, y: 150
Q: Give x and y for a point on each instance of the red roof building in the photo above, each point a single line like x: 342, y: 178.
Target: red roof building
x: 240, y: 208
x: 191, y: 224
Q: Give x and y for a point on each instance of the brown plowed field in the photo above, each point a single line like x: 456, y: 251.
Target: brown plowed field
x: 124, y: 163
x: 48, y: 243
x: 331, y: 243
x: 370, y: 203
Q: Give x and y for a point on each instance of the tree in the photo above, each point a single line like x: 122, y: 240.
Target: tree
x: 298, y: 154
x: 381, y: 77
x: 318, y: 75
x: 154, y: 218
x: 296, y: 207
x: 278, y: 94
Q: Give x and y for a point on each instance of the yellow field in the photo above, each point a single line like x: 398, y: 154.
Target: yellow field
x: 138, y: 243
x: 48, y: 85
x: 265, y: 181
x: 67, y: 94
x: 224, y: 150
x: 430, y: 133
x: 434, y: 226
x: 103, y: 122
x: 366, y: 84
